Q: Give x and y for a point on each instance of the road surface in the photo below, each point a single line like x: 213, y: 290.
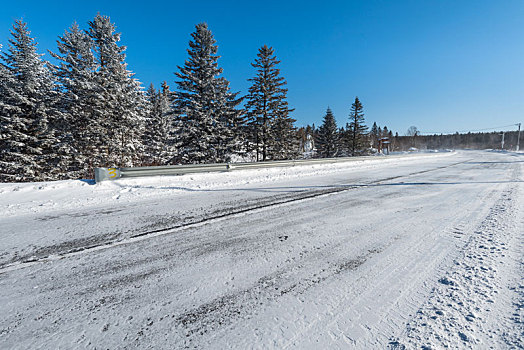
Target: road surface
x: 403, y: 254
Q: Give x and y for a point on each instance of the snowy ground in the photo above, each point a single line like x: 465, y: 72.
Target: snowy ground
x: 398, y: 253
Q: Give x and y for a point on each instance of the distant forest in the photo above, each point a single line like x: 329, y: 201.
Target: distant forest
x: 491, y: 140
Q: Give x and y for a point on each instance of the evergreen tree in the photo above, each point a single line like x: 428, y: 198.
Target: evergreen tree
x: 302, y: 136
x: 209, y: 125
x: 81, y: 124
x: 285, y: 143
x: 28, y: 113
x: 327, y: 139
x: 385, y: 132
x: 341, y: 144
x: 159, y: 128
x: 375, y: 135
x: 270, y: 127
x: 119, y: 102
x: 11, y: 127
x: 356, y: 129
x: 8, y: 96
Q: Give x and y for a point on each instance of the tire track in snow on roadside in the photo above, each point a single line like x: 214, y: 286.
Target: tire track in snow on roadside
x: 423, y: 255
x: 359, y: 288
x: 459, y: 312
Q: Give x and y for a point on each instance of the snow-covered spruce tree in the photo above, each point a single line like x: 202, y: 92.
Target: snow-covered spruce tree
x: 327, y: 139
x: 286, y: 144
x: 158, y: 149
x: 209, y: 125
x: 270, y: 127
x: 11, y: 128
x: 356, y: 130
x: 82, y: 125
x: 119, y: 104
x: 375, y: 135
x: 150, y: 138
x: 342, y: 142
x: 28, y: 112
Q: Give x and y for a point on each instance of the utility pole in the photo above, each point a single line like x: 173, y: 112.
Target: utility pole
x: 502, y: 146
x: 518, y: 138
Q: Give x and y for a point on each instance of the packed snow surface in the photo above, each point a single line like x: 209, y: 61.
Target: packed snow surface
x: 424, y: 251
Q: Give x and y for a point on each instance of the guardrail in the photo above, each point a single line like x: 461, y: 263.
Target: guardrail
x: 103, y: 174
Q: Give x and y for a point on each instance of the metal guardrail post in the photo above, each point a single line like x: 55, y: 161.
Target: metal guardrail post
x: 102, y: 174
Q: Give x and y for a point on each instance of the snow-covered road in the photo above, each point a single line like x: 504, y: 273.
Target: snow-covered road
x: 422, y: 251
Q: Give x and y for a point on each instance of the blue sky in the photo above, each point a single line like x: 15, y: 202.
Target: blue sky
x: 442, y: 66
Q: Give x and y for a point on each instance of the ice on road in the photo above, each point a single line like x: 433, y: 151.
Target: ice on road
x: 405, y: 253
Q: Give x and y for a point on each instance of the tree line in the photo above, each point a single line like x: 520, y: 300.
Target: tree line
x: 60, y: 120
x: 470, y: 140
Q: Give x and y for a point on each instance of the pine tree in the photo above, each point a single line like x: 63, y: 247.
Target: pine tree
x: 375, y: 135
x: 269, y: 124
x: 8, y: 95
x: 285, y: 143
x: 385, y: 132
x: 11, y: 127
x: 119, y: 106
x: 209, y: 125
x: 159, y: 127
x: 356, y: 129
x: 327, y: 139
x: 81, y: 125
x: 28, y: 113
x: 342, y: 141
